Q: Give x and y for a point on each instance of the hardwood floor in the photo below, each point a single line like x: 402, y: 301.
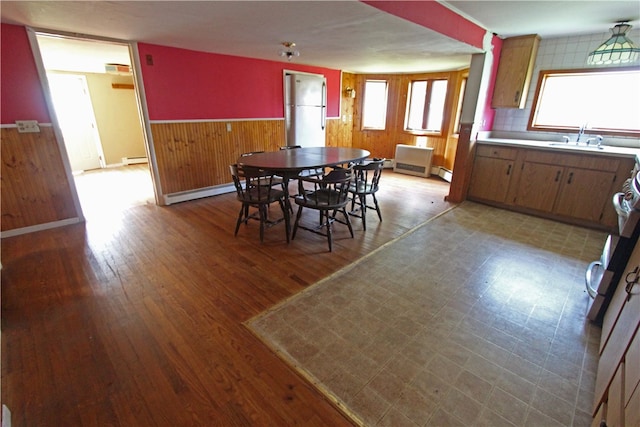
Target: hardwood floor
x: 136, y: 316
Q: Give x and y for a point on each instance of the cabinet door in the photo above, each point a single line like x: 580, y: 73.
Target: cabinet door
x: 539, y: 185
x: 584, y: 193
x: 514, y: 71
x: 491, y: 178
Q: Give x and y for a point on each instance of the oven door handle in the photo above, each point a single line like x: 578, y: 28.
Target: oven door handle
x: 588, y: 278
x: 617, y: 204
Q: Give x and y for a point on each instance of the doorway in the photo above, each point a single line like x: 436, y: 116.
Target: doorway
x: 93, y: 95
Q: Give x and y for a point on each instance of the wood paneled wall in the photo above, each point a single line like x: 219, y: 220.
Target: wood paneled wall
x: 382, y: 143
x: 196, y: 155
x: 35, y: 189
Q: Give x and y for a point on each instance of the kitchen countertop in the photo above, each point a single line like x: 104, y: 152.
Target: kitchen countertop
x: 570, y: 147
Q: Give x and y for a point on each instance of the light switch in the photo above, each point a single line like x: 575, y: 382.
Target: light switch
x: 228, y: 127
x: 26, y: 126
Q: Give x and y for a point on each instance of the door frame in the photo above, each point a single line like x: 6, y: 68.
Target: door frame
x: 143, y: 111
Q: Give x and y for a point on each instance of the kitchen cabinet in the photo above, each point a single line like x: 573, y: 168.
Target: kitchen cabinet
x: 492, y: 171
x: 617, y: 392
x: 539, y: 185
x: 515, y: 68
x: 572, y: 187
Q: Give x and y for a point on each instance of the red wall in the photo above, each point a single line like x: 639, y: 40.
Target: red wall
x: 189, y: 85
x: 21, y: 96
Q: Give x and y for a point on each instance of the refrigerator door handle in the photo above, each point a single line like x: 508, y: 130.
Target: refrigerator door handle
x: 323, y: 118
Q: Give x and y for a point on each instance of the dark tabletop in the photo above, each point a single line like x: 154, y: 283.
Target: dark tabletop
x: 303, y: 158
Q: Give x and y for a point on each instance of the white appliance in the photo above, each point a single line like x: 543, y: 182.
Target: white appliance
x: 602, y: 276
x: 413, y: 160
x: 305, y: 109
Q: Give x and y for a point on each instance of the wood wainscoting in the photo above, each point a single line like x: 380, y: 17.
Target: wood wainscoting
x: 35, y: 188
x: 193, y: 155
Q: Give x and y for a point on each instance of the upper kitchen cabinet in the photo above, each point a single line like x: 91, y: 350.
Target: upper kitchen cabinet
x: 514, y: 71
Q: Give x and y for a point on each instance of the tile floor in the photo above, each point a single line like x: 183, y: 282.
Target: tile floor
x: 475, y: 318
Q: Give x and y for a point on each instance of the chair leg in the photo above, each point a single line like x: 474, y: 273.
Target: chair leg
x: 375, y: 201
x: 329, y: 234
x: 295, y: 225
x: 287, y: 218
x: 263, y: 218
x: 240, y: 218
x: 363, y: 210
x: 348, y: 221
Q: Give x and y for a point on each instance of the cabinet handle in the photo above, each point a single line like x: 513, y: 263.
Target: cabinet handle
x: 632, y: 279
x: 509, y: 170
x: 557, y: 176
x: 570, y: 177
x: 517, y: 97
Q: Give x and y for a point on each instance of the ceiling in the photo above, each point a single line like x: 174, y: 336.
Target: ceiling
x: 347, y: 35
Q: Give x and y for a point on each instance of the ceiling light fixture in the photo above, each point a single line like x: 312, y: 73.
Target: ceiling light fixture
x: 618, y: 49
x: 289, y: 53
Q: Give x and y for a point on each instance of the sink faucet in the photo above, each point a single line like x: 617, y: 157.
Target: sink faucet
x: 597, y: 138
x: 581, y: 132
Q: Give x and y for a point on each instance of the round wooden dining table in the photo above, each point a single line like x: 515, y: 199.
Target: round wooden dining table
x: 289, y: 163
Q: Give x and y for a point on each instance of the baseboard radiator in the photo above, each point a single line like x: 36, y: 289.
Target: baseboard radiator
x: 412, y: 160
x: 134, y: 160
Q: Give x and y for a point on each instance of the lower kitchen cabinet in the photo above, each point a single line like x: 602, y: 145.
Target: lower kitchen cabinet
x: 579, y: 185
x: 575, y: 188
x: 492, y: 170
x: 538, y: 186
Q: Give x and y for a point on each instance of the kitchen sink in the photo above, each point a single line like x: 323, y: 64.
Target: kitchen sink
x: 576, y: 146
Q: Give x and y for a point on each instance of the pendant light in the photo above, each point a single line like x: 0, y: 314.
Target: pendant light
x: 618, y: 49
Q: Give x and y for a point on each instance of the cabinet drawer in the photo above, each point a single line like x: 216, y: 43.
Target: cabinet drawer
x: 496, y: 152
x: 601, y: 163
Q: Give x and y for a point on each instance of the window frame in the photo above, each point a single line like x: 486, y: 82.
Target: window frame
x: 427, y: 102
x: 540, y: 85
x: 364, y: 104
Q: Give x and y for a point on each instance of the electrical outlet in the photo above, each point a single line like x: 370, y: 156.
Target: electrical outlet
x: 228, y: 127
x: 27, y: 126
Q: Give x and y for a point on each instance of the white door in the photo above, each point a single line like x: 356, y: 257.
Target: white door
x: 72, y: 103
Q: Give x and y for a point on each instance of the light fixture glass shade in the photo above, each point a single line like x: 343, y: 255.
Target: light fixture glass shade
x: 618, y: 49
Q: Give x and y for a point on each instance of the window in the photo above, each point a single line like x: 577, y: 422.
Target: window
x: 426, y: 105
x: 602, y: 100
x: 374, y: 110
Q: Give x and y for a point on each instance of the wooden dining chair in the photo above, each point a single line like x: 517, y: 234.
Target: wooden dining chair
x: 254, y: 190
x: 366, y: 180
x: 329, y: 195
x: 274, y: 180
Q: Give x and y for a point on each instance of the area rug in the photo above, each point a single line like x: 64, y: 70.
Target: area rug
x: 476, y: 317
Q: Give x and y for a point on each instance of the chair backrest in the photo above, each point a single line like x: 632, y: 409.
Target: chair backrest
x: 329, y: 192
x: 367, y: 175
x: 252, y: 185
x: 250, y: 153
x: 290, y: 147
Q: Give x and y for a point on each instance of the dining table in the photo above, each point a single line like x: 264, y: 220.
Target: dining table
x: 290, y: 163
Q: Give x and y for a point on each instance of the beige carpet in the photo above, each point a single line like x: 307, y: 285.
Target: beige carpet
x: 476, y: 317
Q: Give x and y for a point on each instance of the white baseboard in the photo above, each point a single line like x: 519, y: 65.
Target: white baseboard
x: 39, y: 227
x: 185, y: 196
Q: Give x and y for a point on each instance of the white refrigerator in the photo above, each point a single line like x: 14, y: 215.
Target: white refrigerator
x: 305, y: 109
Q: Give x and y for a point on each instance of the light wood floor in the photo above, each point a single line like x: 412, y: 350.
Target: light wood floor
x: 136, y: 316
